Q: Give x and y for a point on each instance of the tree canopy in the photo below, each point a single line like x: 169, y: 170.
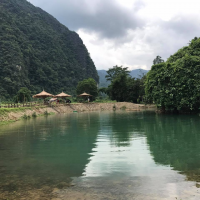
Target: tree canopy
x: 174, y: 85
x: 123, y: 87
x: 23, y: 95
x: 89, y: 86
x: 112, y: 73
x: 158, y: 60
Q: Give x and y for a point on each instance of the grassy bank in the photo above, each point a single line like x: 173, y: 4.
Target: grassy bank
x: 5, y: 111
x: 9, y: 115
x: 6, y: 122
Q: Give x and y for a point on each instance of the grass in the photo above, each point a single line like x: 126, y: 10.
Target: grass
x: 5, y: 111
x: 104, y: 101
x: 6, y: 122
x: 25, y: 116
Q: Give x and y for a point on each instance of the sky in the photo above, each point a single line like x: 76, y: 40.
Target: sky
x: 129, y: 33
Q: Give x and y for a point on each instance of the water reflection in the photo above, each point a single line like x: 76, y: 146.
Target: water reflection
x: 134, y: 153
x: 125, y: 126
x: 174, y: 141
x: 46, y: 151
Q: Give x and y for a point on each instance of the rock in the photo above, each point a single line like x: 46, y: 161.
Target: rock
x: 62, y: 185
x: 197, y: 185
x: 55, y: 190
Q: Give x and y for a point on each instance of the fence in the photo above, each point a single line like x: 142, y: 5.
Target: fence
x: 31, y: 104
x: 18, y: 105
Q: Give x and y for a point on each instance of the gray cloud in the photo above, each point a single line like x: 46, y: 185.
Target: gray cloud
x: 174, y: 34
x: 122, y: 36
x: 107, y: 18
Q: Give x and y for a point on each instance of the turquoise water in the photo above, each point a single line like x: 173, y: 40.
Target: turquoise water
x: 106, y: 155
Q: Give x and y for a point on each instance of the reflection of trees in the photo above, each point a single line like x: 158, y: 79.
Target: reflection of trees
x: 50, y: 148
x: 124, y: 126
x: 174, y: 140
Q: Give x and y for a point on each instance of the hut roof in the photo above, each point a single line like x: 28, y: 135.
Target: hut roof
x: 62, y: 94
x: 84, y: 94
x: 42, y: 94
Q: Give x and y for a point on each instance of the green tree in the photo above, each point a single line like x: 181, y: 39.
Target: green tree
x: 112, y: 73
x: 135, y: 91
x: 175, y: 85
x: 102, y: 90
x: 123, y: 87
x: 117, y: 90
x: 89, y: 86
x: 23, y: 95
x: 158, y: 60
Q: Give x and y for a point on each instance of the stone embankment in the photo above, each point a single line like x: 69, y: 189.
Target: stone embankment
x: 79, y: 107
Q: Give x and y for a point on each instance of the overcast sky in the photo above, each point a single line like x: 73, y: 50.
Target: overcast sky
x: 128, y: 32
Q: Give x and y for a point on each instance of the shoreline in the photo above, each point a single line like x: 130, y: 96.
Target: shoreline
x: 10, y: 115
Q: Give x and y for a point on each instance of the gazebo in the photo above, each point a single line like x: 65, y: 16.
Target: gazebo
x: 42, y: 95
x: 62, y: 95
x: 85, y: 95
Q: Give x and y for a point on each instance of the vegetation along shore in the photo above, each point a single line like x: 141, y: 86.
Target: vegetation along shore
x: 15, y: 114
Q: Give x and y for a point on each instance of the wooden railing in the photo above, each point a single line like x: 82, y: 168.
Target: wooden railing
x: 32, y: 104
x: 17, y: 105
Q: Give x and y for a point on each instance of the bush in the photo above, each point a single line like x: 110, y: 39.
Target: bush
x: 25, y: 116
x: 34, y: 115
x: 46, y: 113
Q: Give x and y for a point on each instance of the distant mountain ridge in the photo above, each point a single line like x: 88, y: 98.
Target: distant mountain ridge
x: 136, y: 73
x: 36, y: 51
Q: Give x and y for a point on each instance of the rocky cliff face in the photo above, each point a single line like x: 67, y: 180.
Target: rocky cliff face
x: 37, y: 52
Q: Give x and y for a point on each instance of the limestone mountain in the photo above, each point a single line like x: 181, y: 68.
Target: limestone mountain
x: 36, y: 51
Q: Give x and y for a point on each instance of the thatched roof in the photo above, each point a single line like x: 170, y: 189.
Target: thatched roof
x: 42, y: 94
x: 62, y: 94
x: 84, y: 95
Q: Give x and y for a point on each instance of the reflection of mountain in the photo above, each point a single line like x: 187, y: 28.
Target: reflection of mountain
x: 174, y: 141
x: 52, y: 148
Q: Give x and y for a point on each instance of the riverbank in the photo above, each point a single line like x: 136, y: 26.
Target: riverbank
x: 14, y: 114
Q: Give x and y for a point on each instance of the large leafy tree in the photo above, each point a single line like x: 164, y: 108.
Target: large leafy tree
x: 23, y: 95
x: 135, y: 92
x: 117, y: 90
x: 175, y: 85
x: 123, y: 87
x: 112, y: 73
x: 89, y: 86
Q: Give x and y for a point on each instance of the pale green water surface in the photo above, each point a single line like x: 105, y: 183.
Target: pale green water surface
x: 105, y: 155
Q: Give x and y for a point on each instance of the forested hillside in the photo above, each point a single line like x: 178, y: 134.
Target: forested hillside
x: 37, y: 52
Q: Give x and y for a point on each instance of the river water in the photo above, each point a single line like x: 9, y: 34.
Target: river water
x: 101, y: 155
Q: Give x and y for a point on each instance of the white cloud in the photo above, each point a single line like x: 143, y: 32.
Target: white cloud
x: 129, y: 32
